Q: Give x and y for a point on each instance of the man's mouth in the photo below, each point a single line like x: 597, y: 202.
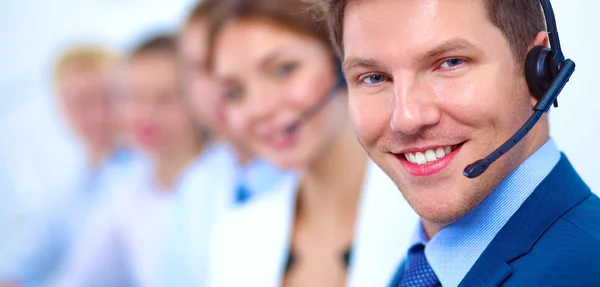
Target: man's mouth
x: 428, y: 161
x: 429, y: 155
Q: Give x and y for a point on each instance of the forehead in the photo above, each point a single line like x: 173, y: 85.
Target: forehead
x: 152, y: 73
x: 393, y: 27
x: 245, y: 44
x: 152, y: 65
x: 80, y: 78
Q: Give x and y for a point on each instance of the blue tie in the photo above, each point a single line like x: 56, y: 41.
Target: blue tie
x: 418, y: 273
x: 242, y: 194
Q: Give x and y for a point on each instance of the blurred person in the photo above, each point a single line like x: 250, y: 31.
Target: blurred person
x: 82, y: 80
x: 121, y: 105
x: 203, y: 94
x: 285, y: 98
x: 123, y: 245
x: 196, y: 211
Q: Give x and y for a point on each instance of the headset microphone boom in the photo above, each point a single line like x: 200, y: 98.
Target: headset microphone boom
x: 547, y: 72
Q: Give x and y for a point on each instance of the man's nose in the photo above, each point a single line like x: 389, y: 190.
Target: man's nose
x: 414, y: 108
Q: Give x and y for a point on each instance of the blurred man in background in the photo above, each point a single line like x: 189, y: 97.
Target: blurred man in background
x: 122, y: 243
x: 82, y: 80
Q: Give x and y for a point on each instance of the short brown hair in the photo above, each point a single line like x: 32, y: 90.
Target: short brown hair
x: 201, y: 11
x: 519, y: 21
x: 164, y: 43
x: 296, y: 15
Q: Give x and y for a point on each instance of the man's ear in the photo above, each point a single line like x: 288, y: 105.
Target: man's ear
x: 541, y: 39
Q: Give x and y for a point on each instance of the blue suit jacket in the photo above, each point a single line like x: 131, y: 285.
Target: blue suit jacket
x: 552, y: 240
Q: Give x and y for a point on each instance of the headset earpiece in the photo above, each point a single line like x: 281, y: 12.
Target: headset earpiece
x: 537, y: 70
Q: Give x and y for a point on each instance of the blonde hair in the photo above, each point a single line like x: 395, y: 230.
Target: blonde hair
x: 85, y: 56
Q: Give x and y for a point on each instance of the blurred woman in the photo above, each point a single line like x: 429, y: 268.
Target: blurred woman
x: 196, y: 210
x: 340, y: 223
x: 123, y: 246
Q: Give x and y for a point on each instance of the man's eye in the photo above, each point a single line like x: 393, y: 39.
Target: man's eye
x: 232, y: 96
x: 449, y: 64
x: 284, y: 70
x: 374, y: 79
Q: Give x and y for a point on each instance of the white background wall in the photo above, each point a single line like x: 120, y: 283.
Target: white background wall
x: 38, y: 156
x: 575, y: 125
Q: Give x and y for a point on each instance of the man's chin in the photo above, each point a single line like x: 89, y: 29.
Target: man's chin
x: 440, y: 218
x: 440, y: 211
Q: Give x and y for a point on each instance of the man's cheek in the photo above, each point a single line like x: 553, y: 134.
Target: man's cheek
x: 370, y: 121
x: 237, y: 125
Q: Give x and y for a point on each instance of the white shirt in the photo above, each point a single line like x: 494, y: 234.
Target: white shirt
x: 250, y: 245
x: 206, y: 197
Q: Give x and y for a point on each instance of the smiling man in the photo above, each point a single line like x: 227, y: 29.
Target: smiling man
x: 436, y: 85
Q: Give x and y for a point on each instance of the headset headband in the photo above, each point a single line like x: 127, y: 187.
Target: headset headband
x: 557, y: 55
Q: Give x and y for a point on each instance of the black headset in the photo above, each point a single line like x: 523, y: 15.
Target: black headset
x: 547, y: 72
x: 322, y: 102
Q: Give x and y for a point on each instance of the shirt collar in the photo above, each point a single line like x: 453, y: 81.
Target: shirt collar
x: 455, y: 249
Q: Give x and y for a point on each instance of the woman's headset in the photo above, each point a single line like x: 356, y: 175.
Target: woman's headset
x: 322, y: 102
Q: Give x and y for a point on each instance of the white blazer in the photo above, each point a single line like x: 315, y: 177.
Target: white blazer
x: 250, y: 245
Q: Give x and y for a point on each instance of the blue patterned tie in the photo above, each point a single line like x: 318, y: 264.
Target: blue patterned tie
x: 418, y: 273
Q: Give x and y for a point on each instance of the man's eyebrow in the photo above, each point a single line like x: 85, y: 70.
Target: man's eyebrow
x: 446, y: 46
x: 449, y: 45
x: 271, y: 57
x: 355, y: 62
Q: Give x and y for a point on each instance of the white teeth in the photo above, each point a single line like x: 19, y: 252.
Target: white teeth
x: 420, y: 158
x: 412, y: 158
x: 429, y: 156
x: 440, y: 152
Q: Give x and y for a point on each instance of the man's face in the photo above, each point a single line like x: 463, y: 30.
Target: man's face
x: 201, y: 90
x: 433, y: 87
x: 158, y: 113
x: 84, y: 103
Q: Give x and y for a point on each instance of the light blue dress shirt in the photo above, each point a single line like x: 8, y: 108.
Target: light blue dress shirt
x: 455, y: 249
x: 33, y: 257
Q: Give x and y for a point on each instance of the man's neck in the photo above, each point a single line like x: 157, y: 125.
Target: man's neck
x: 97, y: 156
x: 170, y: 164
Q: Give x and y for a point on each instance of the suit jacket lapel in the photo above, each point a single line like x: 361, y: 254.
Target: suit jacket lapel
x: 398, y: 276
x: 560, y: 191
